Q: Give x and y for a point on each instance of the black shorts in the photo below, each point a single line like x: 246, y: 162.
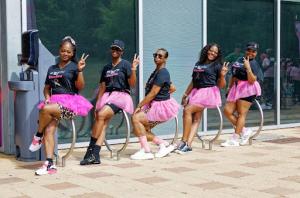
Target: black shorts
x: 114, y: 108
x: 249, y: 98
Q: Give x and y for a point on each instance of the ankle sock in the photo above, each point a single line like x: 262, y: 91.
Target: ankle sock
x: 93, y: 141
x: 38, y: 134
x: 50, y: 160
x: 159, y: 141
x: 144, y: 143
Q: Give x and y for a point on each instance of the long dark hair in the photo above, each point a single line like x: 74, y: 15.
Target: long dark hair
x: 203, y: 54
x: 69, y: 39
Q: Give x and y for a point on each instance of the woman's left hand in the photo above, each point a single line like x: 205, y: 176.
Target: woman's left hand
x: 224, y: 69
x: 135, y: 62
x: 138, y: 109
x: 81, y: 63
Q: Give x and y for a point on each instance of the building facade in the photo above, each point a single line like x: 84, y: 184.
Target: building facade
x: 182, y: 27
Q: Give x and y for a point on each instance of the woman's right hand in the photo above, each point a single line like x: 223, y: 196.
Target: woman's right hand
x: 184, y: 101
x: 47, y: 101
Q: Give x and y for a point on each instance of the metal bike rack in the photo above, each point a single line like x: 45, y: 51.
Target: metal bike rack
x: 261, y: 123
x: 70, y: 151
x: 211, y: 141
x: 176, y: 130
x: 126, y: 141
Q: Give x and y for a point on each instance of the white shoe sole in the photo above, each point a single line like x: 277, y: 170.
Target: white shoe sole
x: 33, y: 148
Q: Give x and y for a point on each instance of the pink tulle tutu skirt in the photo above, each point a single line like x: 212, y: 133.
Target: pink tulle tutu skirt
x: 75, y: 103
x: 243, y: 89
x: 161, y: 110
x: 209, y: 97
x: 121, y: 99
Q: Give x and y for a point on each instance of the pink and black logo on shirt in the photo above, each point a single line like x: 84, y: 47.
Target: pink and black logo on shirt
x: 200, y: 68
x: 56, y: 74
x: 112, y: 73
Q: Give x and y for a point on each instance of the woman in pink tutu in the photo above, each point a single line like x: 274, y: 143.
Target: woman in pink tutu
x: 202, y: 92
x: 157, y: 107
x: 113, y: 96
x: 243, y: 89
x: 63, y: 82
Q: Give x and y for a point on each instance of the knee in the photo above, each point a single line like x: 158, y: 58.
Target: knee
x: 135, y: 119
x: 242, y: 115
x: 227, y: 112
x: 45, y: 110
x: 100, y: 116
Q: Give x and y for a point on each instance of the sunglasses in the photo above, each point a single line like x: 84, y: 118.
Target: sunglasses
x: 160, y: 56
x: 116, y: 49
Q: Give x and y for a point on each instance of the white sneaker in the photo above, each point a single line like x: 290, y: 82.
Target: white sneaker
x: 36, y: 144
x: 245, y: 136
x: 230, y: 142
x: 142, y: 155
x: 164, y: 150
x: 47, y: 168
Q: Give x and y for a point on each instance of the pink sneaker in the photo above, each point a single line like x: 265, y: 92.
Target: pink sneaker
x: 47, y: 168
x: 36, y: 144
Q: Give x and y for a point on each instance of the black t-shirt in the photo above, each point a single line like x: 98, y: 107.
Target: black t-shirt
x: 162, y: 79
x: 238, y: 69
x: 116, y: 78
x: 62, y: 81
x: 206, y: 75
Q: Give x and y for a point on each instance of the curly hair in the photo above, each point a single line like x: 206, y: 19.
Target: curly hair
x: 204, y: 51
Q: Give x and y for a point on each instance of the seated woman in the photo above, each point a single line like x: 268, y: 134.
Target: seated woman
x: 113, y: 96
x: 63, y: 82
x: 157, y: 106
x: 203, y: 92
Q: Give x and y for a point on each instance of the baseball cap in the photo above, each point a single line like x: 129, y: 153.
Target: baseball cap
x: 252, y: 45
x: 118, y: 43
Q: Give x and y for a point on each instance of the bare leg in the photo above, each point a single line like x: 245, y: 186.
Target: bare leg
x: 242, y: 109
x: 101, y: 121
x: 47, y: 114
x: 49, y: 138
x: 229, y: 110
x: 188, y: 112
x: 195, y: 125
x: 140, y: 123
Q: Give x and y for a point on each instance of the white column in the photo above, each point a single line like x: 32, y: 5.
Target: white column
x: 141, y: 50
x: 204, y: 42
x: 278, y: 20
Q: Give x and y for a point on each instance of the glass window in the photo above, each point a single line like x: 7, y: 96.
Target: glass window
x: 232, y: 24
x: 93, y: 25
x: 177, y: 26
x: 290, y: 62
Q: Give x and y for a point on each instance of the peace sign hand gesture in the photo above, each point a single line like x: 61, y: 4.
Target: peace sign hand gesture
x: 224, y: 69
x: 81, y: 63
x: 247, y: 63
x: 135, y: 62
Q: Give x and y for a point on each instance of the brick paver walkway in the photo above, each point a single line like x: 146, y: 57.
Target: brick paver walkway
x: 265, y: 169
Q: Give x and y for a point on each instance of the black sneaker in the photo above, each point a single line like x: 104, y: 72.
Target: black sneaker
x: 185, y: 149
x: 92, y: 158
